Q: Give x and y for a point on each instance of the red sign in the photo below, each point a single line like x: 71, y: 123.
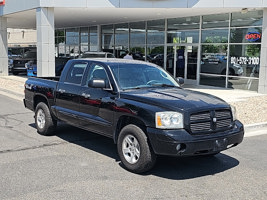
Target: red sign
x: 2, y: 2
x: 253, y: 36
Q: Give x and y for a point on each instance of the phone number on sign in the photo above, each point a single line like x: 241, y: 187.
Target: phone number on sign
x: 245, y: 60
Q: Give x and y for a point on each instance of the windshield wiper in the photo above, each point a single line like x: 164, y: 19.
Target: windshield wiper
x: 133, y: 88
x: 164, y: 85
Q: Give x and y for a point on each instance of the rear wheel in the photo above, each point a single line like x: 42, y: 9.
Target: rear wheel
x: 44, y: 122
x: 134, y: 149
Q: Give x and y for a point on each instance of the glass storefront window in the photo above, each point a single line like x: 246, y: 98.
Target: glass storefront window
x: 185, y: 23
x: 243, y: 83
x: 156, y: 32
x: 215, y: 21
x: 121, y: 39
x: 84, y: 36
x: 252, y: 18
x: 214, y: 59
x: 84, y: 39
x: 178, y: 37
x: 60, y: 50
x: 137, y: 33
x: 215, y: 36
x: 138, y: 40
x: 246, y: 35
x: 170, y: 60
x: 60, y: 40
x: 212, y: 80
x: 107, y: 37
x: 93, y: 38
x: 72, y: 36
x: 59, y: 33
x: 155, y: 54
x: 72, y: 32
x: 236, y: 67
x: 246, y: 57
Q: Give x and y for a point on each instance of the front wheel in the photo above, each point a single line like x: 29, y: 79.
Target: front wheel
x: 134, y: 149
x: 44, y: 122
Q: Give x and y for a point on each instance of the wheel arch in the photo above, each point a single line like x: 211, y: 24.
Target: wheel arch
x: 39, y: 98
x: 126, y: 120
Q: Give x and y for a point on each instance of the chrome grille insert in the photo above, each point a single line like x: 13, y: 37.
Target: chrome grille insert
x: 210, y: 121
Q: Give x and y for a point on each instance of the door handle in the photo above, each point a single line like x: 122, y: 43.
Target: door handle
x: 86, y: 95
x: 61, y: 91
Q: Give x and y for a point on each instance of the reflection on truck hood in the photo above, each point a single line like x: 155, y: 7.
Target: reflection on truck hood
x: 175, y: 98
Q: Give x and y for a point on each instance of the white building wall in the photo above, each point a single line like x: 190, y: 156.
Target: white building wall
x: 13, y: 6
x: 21, y: 37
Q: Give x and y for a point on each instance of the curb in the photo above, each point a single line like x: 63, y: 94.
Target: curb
x: 251, y: 127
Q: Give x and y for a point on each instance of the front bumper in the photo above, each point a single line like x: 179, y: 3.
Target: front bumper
x: 181, y: 143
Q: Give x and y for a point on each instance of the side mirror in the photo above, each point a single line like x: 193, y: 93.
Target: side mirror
x: 180, y: 80
x: 97, y: 83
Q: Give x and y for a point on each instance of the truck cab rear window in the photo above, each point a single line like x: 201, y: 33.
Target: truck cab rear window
x: 75, y: 73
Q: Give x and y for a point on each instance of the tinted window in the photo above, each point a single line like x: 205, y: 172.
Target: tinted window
x: 75, y: 73
x: 97, y: 72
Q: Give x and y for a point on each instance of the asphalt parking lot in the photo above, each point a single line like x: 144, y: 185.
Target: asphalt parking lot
x: 76, y: 164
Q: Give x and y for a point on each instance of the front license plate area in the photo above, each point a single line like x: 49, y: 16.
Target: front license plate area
x: 220, y: 144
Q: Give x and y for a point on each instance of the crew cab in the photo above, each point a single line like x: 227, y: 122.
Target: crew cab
x: 137, y: 104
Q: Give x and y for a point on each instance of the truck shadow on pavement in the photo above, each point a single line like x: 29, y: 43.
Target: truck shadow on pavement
x: 193, y: 167
x: 166, y: 167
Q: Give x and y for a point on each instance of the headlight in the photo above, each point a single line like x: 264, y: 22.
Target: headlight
x: 233, y: 109
x: 169, y: 120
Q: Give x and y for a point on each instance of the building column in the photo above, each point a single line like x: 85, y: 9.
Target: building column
x: 3, y: 47
x: 99, y: 40
x: 45, y: 42
x: 263, y: 59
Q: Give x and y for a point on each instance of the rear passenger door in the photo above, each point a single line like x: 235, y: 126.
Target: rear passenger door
x: 67, y: 93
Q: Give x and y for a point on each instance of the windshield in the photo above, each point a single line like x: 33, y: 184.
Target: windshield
x: 130, y: 76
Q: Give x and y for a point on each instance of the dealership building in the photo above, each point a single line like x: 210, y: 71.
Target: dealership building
x: 220, y: 43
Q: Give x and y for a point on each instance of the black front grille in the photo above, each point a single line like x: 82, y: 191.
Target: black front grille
x: 210, y: 121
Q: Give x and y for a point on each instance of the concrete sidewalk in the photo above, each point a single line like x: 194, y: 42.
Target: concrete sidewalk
x: 251, y: 106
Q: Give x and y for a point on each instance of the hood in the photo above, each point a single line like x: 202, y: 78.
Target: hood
x: 175, y: 99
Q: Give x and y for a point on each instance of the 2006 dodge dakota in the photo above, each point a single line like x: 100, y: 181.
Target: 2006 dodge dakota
x: 139, y: 105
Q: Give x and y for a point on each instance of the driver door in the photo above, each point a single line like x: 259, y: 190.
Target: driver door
x: 96, y: 104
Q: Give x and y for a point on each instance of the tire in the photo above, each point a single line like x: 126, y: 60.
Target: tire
x: 134, y: 150
x: 44, y: 122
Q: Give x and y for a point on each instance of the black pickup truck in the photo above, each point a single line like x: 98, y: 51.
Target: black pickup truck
x: 139, y: 105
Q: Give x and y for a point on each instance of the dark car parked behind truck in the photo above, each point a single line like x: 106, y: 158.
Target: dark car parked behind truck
x: 139, y: 105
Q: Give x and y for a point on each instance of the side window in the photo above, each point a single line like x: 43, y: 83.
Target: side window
x: 98, y: 72
x: 75, y: 73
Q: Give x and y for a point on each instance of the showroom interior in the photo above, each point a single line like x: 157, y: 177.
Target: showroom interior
x: 205, y: 44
